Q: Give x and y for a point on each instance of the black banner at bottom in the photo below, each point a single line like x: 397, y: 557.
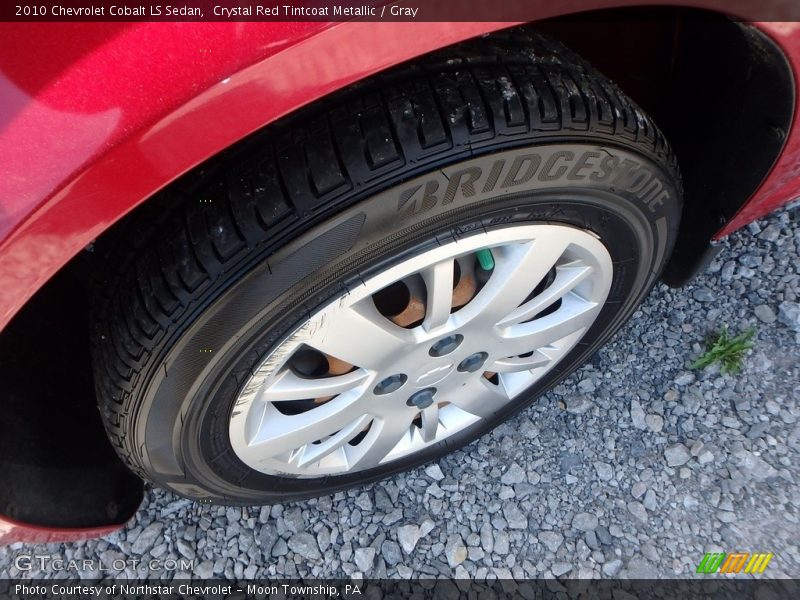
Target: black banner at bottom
x: 717, y: 588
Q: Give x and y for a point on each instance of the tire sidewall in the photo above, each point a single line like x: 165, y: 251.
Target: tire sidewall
x: 623, y: 197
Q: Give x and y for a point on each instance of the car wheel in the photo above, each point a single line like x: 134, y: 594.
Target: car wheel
x: 381, y: 278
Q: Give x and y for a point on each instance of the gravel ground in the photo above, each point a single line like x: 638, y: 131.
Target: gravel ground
x: 634, y: 466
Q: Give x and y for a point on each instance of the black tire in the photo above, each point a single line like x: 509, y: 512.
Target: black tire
x: 197, y: 286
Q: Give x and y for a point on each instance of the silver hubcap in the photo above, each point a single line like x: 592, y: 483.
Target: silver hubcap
x: 421, y: 351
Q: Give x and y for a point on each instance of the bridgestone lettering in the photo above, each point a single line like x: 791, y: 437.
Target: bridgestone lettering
x: 506, y: 174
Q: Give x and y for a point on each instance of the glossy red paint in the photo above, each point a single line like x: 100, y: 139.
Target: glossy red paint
x: 95, y: 118
x: 134, y: 106
x: 13, y: 531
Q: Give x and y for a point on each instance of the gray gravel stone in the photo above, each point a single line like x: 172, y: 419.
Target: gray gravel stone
x: 147, y: 538
x: 364, y: 559
x: 638, y: 510
x: 677, y: 455
x: 561, y: 568
x: 703, y: 295
x: 501, y: 542
x: 186, y: 549
x: 754, y: 466
x: 426, y: 527
x: 640, y: 568
x: 655, y: 423
x: 408, y: 536
x: 770, y: 233
x: 395, y: 515
x: 789, y: 315
x: 293, y: 519
x: 405, y: 572
x: 323, y: 539
x: 487, y: 537
x: 612, y: 567
x: 390, y: 551
x: 514, y: 474
x: 604, y: 535
x: 638, y: 489
x: 305, y: 545
x: 434, y: 471
x: 650, y: 553
x: 280, y: 548
x: 515, y: 517
x: 705, y: 457
x: 638, y: 415
x: 205, y: 570
x: 765, y: 313
x: 455, y: 551
x: 604, y: 471
x: 551, y: 540
x: 578, y: 404
x: 382, y: 500
x: 266, y: 537
x: 591, y: 540
x: 364, y: 502
x: 585, y: 521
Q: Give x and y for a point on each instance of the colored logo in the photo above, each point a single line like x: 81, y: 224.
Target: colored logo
x: 737, y: 562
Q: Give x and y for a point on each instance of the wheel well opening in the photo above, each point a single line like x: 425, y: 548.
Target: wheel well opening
x: 57, y: 468
x: 720, y: 90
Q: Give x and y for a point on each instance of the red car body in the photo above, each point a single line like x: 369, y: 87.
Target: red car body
x: 97, y: 117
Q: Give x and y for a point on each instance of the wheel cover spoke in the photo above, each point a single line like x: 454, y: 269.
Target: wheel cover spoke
x: 274, y: 433
x: 289, y: 386
x: 512, y: 364
x: 574, y: 315
x: 378, y: 337
x: 439, y: 283
x: 481, y: 398
x: 413, y: 354
x: 312, y: 453
x: 519, y: 268
x: 567, y: 277
x: 387, y: 434
x: 429, y: 422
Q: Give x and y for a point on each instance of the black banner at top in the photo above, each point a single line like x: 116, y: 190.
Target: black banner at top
x: 347, y: 10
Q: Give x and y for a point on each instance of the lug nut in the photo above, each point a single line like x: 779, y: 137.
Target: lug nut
x: 446, y: 345
x: 422, y: 399
x: 390, y: 384
x: 473, y: 362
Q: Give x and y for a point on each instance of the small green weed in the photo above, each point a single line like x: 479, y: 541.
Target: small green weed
x: 726, y: 350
